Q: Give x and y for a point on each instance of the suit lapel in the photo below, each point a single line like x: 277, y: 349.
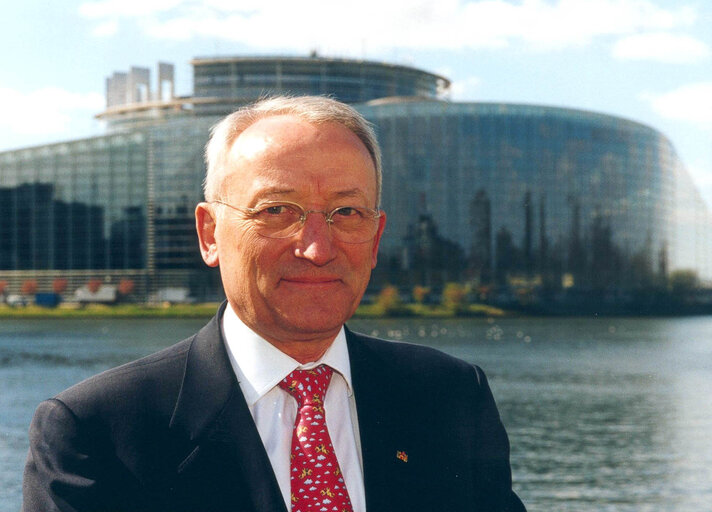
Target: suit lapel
x: 373, y: 444
x: 227, y: 467
x: 389, y: 441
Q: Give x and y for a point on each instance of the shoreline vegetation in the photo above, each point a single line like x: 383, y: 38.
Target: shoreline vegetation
x: 454, y: 301
x: 387, y: 304
x: 207, y: 310
x: 70, y: 310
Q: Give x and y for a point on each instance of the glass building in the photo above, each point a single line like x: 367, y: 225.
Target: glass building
x: 500, y: 195
x: 531, y: 195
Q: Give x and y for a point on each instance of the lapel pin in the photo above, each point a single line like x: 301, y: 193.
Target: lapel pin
x: 401, y: 455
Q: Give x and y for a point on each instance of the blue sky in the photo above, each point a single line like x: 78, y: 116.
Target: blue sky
x: 645, y: 60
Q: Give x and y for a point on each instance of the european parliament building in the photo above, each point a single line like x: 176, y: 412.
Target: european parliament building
x: 497, y: 195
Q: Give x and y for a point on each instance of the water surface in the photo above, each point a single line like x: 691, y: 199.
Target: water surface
x: 603, y: 414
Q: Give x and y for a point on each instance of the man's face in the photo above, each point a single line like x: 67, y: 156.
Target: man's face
x: 304, y: 287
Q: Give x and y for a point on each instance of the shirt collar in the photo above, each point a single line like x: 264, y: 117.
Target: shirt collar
x: 259, y: 366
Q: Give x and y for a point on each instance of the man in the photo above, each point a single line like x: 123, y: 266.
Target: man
x: 222, y: 421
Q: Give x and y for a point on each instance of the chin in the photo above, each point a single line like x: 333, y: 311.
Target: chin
x: 325, y: 319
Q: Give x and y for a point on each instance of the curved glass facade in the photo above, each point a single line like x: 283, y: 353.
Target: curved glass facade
x: 237, y: 80
x: 491, y: 194
x: 534, y: 194
x: 75, y: 205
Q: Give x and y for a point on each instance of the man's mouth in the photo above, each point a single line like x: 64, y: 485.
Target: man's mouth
x: 315, y: 280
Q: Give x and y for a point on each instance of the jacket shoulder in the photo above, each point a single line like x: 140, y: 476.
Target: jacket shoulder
x: 413, y: 362
x: 141, y: 383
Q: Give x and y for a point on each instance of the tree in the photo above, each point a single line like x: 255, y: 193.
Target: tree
x: 507, y: 256
x: 454, y: 295
x: 388, y: 300
x: 420, y: 293
x: 29, y: 287
x: 93, y: 285
x: 59, y: 285
x: 683, y: 282
x: 3, y: 287
x: 126, y: 287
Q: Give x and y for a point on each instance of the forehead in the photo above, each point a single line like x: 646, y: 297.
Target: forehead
x: 289, y: 152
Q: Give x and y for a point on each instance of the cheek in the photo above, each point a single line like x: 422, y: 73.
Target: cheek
x: 234, y: 238
x: 360, y: 259
x: 251, y: 259
x: 235, y: 249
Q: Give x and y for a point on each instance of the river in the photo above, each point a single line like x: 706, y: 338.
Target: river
x: 602, y: 413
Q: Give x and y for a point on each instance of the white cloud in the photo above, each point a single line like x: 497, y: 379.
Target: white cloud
x: 48, y: 111
x: 691, y: 103
x: 106, y: 29
x: 126, y: 8
x: 464, y: 89
x: 345, y: 27
x: 661, y: 47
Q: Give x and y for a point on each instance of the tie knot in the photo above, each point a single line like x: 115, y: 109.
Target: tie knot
x: 308, y: 386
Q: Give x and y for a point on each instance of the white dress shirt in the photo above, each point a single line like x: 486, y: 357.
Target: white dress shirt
x: 259, y: 367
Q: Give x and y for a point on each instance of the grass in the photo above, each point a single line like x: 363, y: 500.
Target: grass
x: 207, y: 310
x: 111, y: 311
x: 426, y: 311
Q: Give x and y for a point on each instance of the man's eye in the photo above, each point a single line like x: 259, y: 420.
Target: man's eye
x: 347, y: 211
x: 278, y: 209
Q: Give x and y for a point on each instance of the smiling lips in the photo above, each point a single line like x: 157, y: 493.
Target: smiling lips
x: 311, y: 279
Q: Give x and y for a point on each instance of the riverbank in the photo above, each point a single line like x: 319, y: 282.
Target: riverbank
x: 428, y: 311
x: 207, y: 310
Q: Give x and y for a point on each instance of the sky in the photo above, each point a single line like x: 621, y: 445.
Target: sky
x: 649, y: 61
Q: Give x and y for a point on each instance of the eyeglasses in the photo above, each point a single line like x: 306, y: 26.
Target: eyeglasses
x: 283, y: 219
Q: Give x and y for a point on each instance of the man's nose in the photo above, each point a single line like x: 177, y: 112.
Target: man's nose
x: 314, y: 241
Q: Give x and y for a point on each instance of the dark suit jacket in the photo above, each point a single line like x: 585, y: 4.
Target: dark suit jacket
x: 172, y: 432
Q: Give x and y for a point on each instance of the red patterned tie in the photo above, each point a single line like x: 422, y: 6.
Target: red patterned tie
x: 316, y: 479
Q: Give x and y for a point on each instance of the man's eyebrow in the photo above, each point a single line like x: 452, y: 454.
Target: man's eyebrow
x: 352, y: 192
x: 281, y: 191
x: 277, y: 191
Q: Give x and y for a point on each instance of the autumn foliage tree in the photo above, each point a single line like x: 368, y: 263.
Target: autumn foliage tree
x: 454, y: 295
x: 29, y: 287
x: 93, y: 285
x: 59, y: 285
x: 388, y: 300
x: 3, y: 287
x: 126, y: 287
x: 683, y: 282
x: 420, y: 293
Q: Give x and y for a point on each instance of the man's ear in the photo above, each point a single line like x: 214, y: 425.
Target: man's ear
x: 379, y: 234
x: 205, y: 224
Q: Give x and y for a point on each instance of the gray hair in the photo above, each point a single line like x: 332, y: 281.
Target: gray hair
x: 313, y: 109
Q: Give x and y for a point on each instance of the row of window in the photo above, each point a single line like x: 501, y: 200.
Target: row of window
x: 549, y: 180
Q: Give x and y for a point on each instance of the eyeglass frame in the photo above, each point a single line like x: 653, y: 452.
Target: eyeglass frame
x: 375, y: 213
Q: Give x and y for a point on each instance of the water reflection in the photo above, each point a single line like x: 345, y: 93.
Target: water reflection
x: 603, y: 414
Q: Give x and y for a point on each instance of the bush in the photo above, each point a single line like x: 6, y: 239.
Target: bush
x: 420, y: 293
x: 683, y: 282
x: 454, y: 296
x: 388, y: 301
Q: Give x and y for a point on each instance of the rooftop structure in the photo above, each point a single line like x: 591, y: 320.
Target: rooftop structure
x: 223, y: 84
